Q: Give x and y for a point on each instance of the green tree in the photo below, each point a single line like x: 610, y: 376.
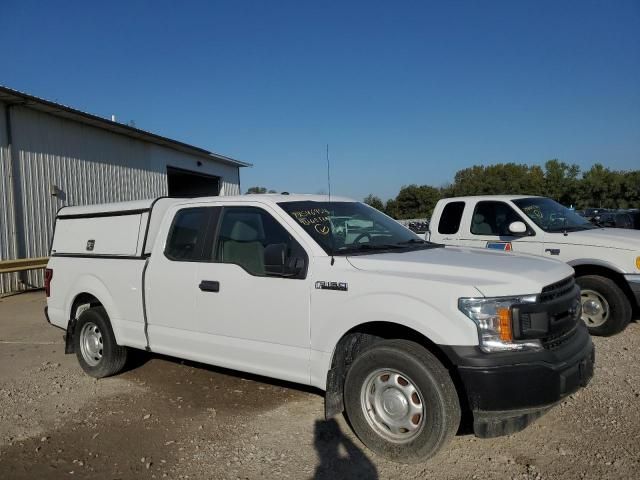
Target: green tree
x: 561, y: 182
x: 630, y: 190
x: 600, y: 187
x: 597, y: 187
x: 391, y: 208
x: 415, y: 201
x: 374, y: 201
x: 502, y: 178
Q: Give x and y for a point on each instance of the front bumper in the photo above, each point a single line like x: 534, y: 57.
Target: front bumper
x: 507, y: 391
x: 634, y: 284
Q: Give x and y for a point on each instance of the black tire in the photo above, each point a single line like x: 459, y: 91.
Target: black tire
x: 619, y: 307
x: 441, y: 415
x: 104, y: 357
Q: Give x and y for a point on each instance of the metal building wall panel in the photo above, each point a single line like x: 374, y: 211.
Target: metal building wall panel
x: 8, y: 281
x: 87, y: 165
x: 229, y: 175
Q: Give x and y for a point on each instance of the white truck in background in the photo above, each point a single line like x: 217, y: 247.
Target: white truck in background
x: 606, y: 260
x: 406, y: 336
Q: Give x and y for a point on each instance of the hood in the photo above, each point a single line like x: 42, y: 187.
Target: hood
x: 493, y: 273
x: 621, y: 238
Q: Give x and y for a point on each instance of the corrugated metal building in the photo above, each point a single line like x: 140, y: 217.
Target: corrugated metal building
x: 52, y: 155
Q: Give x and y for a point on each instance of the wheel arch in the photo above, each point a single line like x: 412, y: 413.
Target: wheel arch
x: 88, y: 290
x: 92, y: 288
x: 83, y: 298
x: 363, y: 336
x: 605, y: 270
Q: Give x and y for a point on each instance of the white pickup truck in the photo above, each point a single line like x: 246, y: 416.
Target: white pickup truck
x: 409, y: 337
x: 606, y: 260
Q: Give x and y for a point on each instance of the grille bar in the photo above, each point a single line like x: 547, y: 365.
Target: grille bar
x: 548, y: 294
x: 558, y: 339
x: 555, y: 290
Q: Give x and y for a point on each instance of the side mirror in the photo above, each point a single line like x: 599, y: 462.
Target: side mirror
x: 277, y: 263
x: 296, y: 266
x: 518, y: 228
x: 274, y: 258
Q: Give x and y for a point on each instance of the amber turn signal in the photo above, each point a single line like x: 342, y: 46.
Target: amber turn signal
x: 506, y: 331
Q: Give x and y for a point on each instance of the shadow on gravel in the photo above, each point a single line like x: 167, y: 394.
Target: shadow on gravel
x: 138, y: 366
x: 350, y: 463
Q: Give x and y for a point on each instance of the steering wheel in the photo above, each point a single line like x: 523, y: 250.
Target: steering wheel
x: 361, y: 236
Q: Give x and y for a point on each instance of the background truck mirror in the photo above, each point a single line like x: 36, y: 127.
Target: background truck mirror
x: 518, y: 228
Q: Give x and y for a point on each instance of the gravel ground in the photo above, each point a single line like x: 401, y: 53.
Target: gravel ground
x: 170, y: 419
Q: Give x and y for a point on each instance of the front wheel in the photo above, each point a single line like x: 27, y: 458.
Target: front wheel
x: 606, y: 310
x: 95, y: 345
x: 401, y: 401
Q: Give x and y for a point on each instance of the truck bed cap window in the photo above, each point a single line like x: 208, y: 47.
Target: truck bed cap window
x: 450, y: 218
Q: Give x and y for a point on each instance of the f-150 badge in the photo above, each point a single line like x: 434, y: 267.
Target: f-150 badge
x: 340, y: 286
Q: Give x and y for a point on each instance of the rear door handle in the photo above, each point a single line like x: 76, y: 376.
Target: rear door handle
x: 209, y: 286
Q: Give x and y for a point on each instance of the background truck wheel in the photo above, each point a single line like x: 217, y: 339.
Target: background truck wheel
x: 95, y: 345
x: 401, y: 402
x: 605, y: 308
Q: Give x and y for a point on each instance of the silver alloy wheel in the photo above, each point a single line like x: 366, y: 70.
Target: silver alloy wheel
x: 595, y: 308
x: 392, y: 405
x: 91, y: 344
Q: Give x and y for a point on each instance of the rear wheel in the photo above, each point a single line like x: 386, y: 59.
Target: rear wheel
x: 606, y: 310
x: 401, y: 401
x: 95, y: 345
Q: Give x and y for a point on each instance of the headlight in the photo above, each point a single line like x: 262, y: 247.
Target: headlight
x: 492, y: 316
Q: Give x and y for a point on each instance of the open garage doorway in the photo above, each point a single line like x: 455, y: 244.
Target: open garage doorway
x: 185, y: 183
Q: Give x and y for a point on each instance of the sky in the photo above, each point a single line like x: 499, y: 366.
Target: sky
x: 402, y: 92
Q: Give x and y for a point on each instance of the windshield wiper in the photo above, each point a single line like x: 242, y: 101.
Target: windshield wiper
x: 412, y: 240
x: 421, y: 243
x: 377, y: 246
x: 368, y: 247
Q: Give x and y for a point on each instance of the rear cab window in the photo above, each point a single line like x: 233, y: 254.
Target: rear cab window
x: 191, y: 230
x: 450, y: 218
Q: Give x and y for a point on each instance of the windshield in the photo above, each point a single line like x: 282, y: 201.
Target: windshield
x: 550, y: 216
x: 342, y: 228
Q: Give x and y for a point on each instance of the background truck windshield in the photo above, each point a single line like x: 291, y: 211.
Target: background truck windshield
x: 550, y: 216
x: 351, y: 227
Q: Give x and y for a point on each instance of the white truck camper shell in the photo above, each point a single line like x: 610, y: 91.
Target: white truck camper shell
x: 88, y: 230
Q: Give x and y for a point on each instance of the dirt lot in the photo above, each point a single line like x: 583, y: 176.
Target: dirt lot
x: 170, y: 419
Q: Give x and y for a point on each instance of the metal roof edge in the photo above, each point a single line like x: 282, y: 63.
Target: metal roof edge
x: 17, y: 97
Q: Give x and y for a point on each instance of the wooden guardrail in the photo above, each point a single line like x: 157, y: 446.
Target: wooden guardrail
x: 22, y: 264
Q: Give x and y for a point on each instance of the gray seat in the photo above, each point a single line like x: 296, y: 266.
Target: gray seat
x: 241, y: 246
x: 481, y: 227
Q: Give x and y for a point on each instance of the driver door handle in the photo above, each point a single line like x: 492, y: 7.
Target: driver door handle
x: 209, y: 286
